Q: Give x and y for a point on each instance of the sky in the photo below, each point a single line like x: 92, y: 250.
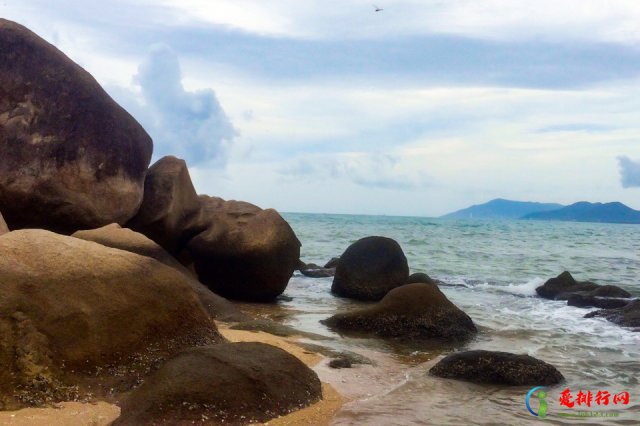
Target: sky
x: 425, y: 107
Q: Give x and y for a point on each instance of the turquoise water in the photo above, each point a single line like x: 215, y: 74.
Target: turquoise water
x: 490, y: 270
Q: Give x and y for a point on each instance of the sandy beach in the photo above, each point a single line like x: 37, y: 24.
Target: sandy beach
x: 102, y: 413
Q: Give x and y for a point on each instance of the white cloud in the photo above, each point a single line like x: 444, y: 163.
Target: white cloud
x: 629, y: 172
x: 603, y: 20
x: 373, y: 170
x: 188, y: 124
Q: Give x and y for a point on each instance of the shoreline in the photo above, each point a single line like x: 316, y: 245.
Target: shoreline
x: 101, y: 413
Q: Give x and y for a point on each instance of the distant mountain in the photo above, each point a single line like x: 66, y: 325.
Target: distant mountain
x: 502, y: 209
x: 590, y: 212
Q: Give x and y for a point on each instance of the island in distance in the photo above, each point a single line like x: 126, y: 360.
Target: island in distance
x: 582, y: 211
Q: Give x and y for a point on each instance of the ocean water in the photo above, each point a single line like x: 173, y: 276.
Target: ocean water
x: 490, y: 270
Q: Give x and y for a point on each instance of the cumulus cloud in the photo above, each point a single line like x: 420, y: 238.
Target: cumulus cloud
x: 189, y: 125
x: 629, y: 172
x: 373, y: 170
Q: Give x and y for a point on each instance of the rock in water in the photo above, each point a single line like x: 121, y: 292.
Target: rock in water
x: 626, y: 316
x: 70, y: 157
x: 420, y: 277
x: 231, y: 383
x: 564, y: 285
x: 588, y: 301
x: 3, y: 225
x: 170, y: 208
x: 412, y: 312
x: 125, y: 239
x: 499, y: 368
x: 73, y: 311
x: 369, y: 268
x: 332, y: 263
x: 315, y: 271
x: 245, y: 253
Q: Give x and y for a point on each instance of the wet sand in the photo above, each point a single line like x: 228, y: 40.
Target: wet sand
x: 103, y: 413
x: 64, y: 414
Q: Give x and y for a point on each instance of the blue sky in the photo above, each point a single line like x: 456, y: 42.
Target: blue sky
x: 328, y: 106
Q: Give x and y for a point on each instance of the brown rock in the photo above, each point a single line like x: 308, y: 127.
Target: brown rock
x: 420, y: 277
x: 3, y: 225
x: 232, y: 383
x: 626, y: 316
x: 245, y: 253
x: 125, y: 239
x: 564, y: 286
x: 332, y: 263
x: 369, y: 268
x: 74, y: 311
x: 500, y: 368
x: 70, y: 157
x: 170, y: 207
x: 412, y: 311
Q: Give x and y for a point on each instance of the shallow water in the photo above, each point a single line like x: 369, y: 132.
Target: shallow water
x: 491, y: 270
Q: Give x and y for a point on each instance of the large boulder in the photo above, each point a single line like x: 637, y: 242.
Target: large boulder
x: 626, y: 316
x: 3, y: 225
x: 564, y: 285
x: 81, y: 317
x: 245, y: 252
x: 125, y: 239
x: 498, y: 368
x: 70, y: 157
x: 232, y: 383
x: 410, y: 312
x: 369, y: 268
x: 170, y: 208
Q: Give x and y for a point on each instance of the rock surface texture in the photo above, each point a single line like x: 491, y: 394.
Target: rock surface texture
x: 125, y: 239
x: 70, y: 157
x: 232, y: 383
x: 370, y: 268
x: 500, y: 368
x: 73, y: 310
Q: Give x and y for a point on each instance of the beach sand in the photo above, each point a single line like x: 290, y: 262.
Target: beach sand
x: 103, y: 413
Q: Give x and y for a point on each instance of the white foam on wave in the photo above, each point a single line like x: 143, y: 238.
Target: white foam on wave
x: 525, y: 289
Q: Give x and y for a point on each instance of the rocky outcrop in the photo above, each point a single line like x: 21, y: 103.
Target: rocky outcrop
x: 76, y: 315
x: 169, y: 213
x: 564, y: 285
x: 70, y: 157
x: 412, y: 312
x: 232, y: 383
x: 245, y: 252
x: 3, y: 225
x: 627, y: 316
x: 369, y: 268
x: 498, y: 368
x: 125, y: 239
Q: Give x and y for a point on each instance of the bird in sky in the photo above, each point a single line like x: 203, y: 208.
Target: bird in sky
x: 377, y: 9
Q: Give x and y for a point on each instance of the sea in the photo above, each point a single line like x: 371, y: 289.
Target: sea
x: 489, y: 269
